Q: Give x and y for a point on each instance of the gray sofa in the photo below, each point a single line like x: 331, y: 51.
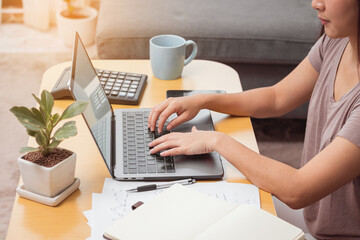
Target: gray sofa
x: 261, y: 39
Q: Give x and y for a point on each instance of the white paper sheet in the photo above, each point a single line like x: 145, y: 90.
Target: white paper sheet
x: 114, y: 202
x: 237, y: 193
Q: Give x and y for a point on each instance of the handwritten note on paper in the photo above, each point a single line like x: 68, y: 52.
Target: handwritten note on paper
x: 237, y: 193
x: 115, y: 202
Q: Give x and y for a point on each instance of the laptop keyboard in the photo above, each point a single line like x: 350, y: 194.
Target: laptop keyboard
x: 136, y: 153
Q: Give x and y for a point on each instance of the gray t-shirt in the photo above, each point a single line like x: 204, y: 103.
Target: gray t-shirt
x: 336, y: 216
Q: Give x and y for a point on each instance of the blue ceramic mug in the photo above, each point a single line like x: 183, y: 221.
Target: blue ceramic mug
x: 167, y: 56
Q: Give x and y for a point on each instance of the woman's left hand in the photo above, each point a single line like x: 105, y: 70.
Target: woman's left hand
x: 190, y: 143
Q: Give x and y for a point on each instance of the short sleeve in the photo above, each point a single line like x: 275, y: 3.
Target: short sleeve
x: 351, y: 128
x: 316, y: 54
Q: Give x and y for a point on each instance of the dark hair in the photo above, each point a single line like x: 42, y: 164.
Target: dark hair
x: 358, y: 32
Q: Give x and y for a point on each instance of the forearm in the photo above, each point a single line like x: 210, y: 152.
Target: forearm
x: 289, y: 93
x: 270, y: 175
x: 260, y: 102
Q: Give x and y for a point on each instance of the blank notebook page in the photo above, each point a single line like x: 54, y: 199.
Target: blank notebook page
x: 248, y: 222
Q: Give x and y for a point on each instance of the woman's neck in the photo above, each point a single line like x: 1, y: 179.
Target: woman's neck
x: 354, y: 55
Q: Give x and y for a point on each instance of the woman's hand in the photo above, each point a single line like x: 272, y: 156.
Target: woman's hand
x: 186, y: 109
x: 190, y: 143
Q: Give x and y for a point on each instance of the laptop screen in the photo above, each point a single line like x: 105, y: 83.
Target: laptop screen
x: 86, y: 86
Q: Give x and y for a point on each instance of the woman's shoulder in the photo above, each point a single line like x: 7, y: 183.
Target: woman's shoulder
x: 324, y: 50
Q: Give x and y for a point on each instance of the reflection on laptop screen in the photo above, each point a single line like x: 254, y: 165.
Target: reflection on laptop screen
x: 86, y: 86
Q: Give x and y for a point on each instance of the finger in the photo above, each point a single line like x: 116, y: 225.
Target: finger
x: 194, y: 129
x: 164, y: 146
x: 150, y: 124
x: 154, y: 114
x: 164, y: 138
x: 149, y: 117
x: 153, y: 117
x: 157, y: 141
x: 166, y: 113
x: 177, y: 121
x: 173, y: 152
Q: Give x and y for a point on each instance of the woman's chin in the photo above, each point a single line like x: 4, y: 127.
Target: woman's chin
x: 333, y: 34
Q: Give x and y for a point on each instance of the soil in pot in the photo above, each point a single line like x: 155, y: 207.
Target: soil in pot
x: 57, y: 155
x: 76, y: 14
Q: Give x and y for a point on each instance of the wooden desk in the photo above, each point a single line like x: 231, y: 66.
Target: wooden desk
x: 31, y: 220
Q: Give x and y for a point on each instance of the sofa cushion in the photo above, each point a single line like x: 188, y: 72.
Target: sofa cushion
x: 257, y: 31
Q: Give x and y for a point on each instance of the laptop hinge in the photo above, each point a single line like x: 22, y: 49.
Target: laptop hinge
x: 113, y: 145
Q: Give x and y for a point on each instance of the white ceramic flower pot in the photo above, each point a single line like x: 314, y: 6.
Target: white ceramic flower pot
x: 46, y: 181
x: 86, y: 27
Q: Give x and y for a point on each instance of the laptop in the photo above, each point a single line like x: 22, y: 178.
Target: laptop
x: 122, y: 135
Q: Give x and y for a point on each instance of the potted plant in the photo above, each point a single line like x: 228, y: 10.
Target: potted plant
x: 80, y: 19
x: 47, y: 169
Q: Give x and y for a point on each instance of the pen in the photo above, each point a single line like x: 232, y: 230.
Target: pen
x: 161, y: 185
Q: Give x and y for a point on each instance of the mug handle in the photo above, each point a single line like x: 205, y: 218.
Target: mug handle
x: 193, y: 53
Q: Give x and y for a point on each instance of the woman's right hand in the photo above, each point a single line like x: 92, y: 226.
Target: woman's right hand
x: 186, y: 109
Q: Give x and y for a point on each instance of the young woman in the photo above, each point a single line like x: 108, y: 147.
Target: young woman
x: 328, y: 183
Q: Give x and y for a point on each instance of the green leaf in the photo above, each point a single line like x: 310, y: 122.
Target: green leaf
x: 31, y: 127
x: 74, y: 109
x: 66, y: 131
x: 31, y: 133
x: 37, y: 99
x: 23, y: 113
x: 28, y: 149
x: 54, y: 144
x: 38, y: 115
x: 49, y: 126
x: 41, y: 139
x: 47, y: 101
x: 55, y: 119
x: 42, y: 108
x: 27, y: 118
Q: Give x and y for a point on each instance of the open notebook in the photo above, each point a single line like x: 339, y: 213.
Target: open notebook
x: 182, y: 213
